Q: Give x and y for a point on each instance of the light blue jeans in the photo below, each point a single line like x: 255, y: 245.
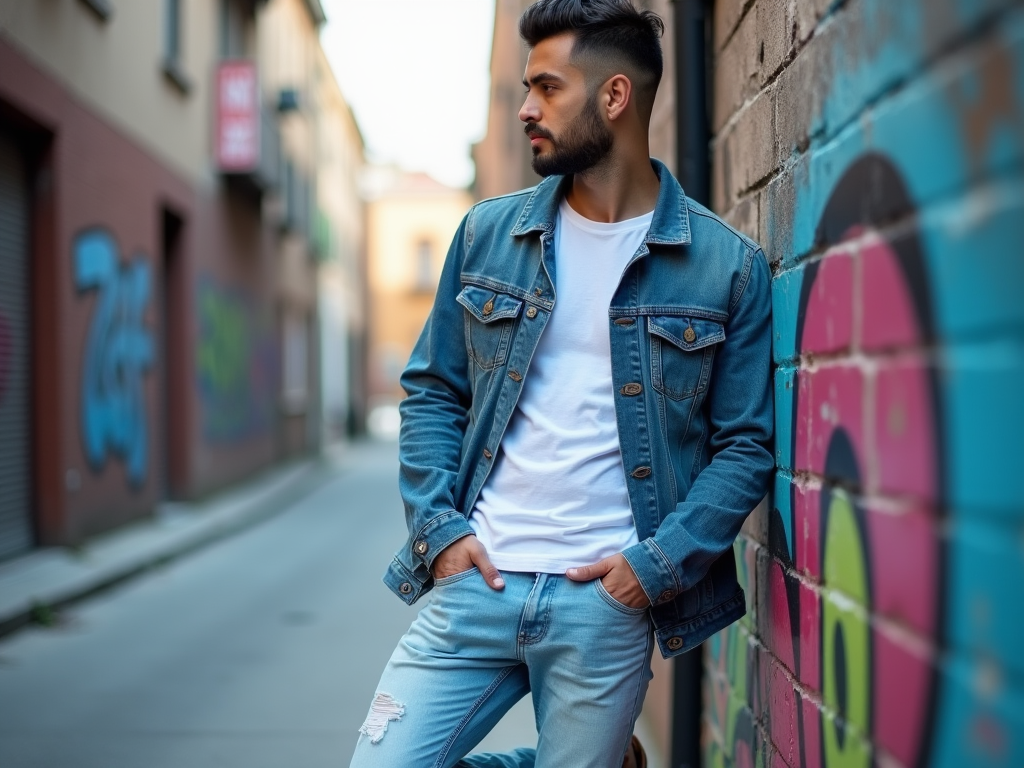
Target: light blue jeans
x: 473, y: 652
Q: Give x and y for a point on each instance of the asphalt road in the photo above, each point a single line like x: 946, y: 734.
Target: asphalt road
x: 261, y: 651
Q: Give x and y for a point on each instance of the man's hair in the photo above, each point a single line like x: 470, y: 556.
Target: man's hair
x: 608, y: 34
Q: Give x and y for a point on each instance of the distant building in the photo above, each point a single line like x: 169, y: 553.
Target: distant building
x: 411, y: 219
x: 174, y: 176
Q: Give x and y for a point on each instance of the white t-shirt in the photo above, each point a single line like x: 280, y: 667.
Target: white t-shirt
x: 556, y: 496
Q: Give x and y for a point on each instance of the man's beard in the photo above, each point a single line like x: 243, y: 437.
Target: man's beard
x: 584, y: 143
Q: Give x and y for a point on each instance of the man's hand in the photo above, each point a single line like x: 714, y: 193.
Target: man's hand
x: 461, y: 555
x: 617, y: 578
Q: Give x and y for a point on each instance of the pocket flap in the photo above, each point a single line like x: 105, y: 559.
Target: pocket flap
x: 488, y: 306
x: 687, y: 333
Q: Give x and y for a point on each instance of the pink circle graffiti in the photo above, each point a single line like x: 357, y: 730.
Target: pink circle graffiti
x: 868, y: 532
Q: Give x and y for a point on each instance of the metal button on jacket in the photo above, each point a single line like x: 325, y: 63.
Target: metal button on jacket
x: 489, y: 307
x: 674, y: 643
x: 689, y: 335
x: 665, y: 596
x: 422, y: 547
x: 624, y: 321
x: 531, y: 312
x: 631, y: 389
x: 515, y: 376
x: 487, y: 454
x: 405, y: 588
x: 641, y: 472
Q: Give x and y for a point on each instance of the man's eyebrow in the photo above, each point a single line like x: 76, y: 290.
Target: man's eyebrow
x: 543, y: 76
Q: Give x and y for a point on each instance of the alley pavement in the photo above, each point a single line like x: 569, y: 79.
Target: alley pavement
x: 260, y: 651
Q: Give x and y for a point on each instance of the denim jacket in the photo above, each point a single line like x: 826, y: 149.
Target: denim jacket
x: 690, y: 330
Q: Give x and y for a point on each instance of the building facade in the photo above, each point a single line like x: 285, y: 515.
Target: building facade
x: 411, y: 220
x: 151, y: 298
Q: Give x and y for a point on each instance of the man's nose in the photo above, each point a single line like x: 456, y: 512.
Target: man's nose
x: 528, y: 113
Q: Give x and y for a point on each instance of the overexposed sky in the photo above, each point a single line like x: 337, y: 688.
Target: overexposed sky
x: 416, y: 73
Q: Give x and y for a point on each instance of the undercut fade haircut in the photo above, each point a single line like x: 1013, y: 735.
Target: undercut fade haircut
x: 608, y: 34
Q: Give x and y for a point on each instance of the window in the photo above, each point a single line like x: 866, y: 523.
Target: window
x: 424, y: 266
x: 172, y: 64
x: 232, y: 29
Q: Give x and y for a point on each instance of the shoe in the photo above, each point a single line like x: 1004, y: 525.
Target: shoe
x: 635, y: 755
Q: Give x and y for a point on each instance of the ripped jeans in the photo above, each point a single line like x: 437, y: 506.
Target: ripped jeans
x: 474, y: 652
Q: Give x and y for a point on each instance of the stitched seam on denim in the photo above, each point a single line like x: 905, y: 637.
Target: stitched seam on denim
x: 672, y: 310
x: 544, y: 612
x: 455, y: 577
x: 668, y: 563
x: 696, y: 455
x: 435, y: 522
x: 615, y: 604
x: 469, y: 715
x: 748, y: 263
x: 701, y: 343
x: 698, y: 390
x: 480, y: 281
x: 707, y: 215
x: 639, y: 685
x: 522, y: 619
x: 703, y: 618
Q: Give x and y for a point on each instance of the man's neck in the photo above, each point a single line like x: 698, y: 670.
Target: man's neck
x: 619, y: 188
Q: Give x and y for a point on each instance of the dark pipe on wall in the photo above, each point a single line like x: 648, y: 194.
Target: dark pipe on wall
x: 691, y: 29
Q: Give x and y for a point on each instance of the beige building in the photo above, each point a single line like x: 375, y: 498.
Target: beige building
x: 411, y: 220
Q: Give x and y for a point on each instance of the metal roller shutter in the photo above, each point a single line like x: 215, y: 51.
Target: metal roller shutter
x: 15, y: 406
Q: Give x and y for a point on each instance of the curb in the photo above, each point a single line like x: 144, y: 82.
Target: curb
x: 34, y: 585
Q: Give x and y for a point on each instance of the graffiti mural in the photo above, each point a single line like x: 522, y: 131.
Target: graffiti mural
x: 236, y: 365
x: 849, y: 588
x: 885, y: 612
x: 118, y: 354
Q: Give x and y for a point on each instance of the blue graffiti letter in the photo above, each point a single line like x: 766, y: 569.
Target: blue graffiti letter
x: 119, y: 350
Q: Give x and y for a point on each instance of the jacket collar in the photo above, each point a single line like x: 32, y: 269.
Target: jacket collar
x: 671, y: 224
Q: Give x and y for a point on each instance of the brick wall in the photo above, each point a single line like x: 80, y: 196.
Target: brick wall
x: 876, y: 149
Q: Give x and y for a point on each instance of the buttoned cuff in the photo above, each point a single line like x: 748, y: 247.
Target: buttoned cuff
x: 437, y: 534
x: 653, y: 570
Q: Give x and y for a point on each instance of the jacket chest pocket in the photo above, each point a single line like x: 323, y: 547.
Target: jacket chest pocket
x: 682, y: 350
x: 489, y: 319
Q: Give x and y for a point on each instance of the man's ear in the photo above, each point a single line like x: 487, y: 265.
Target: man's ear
x: 618, y: 93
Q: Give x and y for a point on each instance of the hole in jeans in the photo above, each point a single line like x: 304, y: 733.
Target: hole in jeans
x: 383, y: 710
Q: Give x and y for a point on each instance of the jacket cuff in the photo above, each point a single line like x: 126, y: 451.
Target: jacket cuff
x: 437, y: 534
x: 654, y: 571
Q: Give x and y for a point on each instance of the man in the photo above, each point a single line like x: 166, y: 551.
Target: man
x: 588, y: 423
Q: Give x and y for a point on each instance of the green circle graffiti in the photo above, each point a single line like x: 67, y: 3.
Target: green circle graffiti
x: 846, y: 654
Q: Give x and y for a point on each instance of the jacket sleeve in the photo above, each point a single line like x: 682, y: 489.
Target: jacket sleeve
x: 740, y: 412
x: 435, y: 415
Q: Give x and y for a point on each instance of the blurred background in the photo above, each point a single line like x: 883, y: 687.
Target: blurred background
x: 221, y: 227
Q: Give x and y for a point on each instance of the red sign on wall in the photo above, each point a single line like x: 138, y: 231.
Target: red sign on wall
x: 237, y: 139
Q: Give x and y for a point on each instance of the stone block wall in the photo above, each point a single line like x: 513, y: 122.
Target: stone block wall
x: 876, y: 150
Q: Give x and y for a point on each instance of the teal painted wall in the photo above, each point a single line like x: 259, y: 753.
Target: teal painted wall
x: 880, y: 161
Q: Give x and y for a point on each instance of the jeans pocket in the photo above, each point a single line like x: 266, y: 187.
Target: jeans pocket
x: 444, y: 581
x: 620, y: 607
